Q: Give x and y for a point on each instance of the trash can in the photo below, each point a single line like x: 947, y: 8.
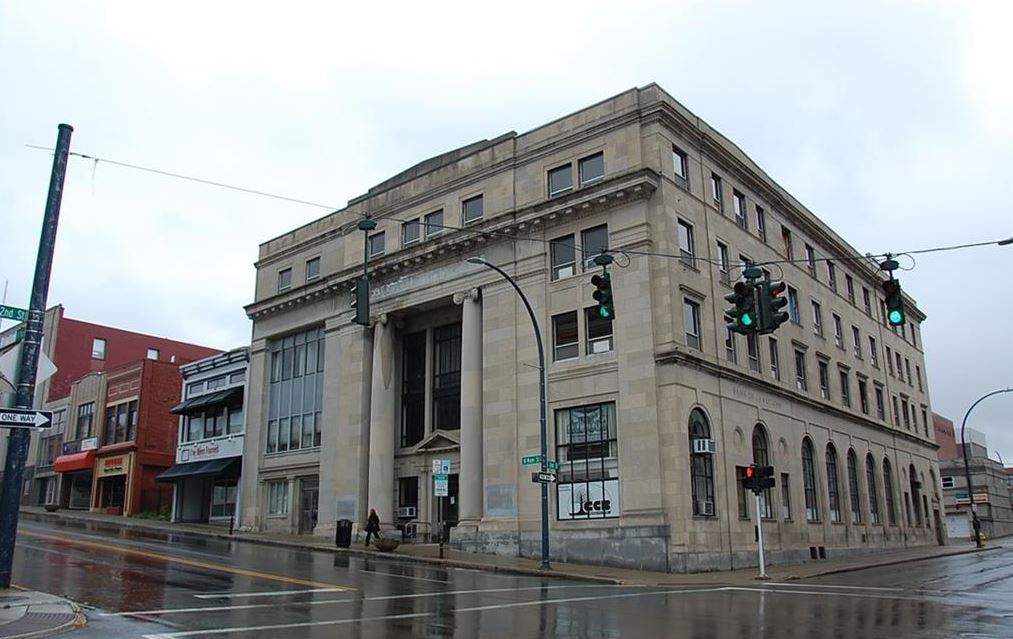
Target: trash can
x: 343, y: 533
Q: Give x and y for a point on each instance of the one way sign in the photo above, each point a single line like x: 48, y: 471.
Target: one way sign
x: 25, y: 418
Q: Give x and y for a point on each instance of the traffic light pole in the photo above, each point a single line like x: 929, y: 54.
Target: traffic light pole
x: 759, y: 538
x: 975, y: 522
x: 17, y: 449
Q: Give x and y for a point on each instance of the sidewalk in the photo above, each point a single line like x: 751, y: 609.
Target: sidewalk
x: 429, y: 553
x: 25, y: 613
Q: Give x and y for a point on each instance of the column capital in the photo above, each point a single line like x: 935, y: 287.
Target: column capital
x: 474, y: 294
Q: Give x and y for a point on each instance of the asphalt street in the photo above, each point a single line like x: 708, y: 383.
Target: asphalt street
x: 163, y: 585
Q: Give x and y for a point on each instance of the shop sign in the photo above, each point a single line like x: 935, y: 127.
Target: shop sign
x: 90, y: 443
x: 80, y: 445
x: 231, y: 446
x: 588, y: 500
x: 112, y: 465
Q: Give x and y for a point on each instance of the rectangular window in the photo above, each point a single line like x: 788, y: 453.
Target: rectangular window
x: 739, y: 203
x: 914, y: 341
x: 98, y: 348
x: 832, y: 276
x: 863, y: 396
x: 824, y: 371
x: 810, y: 259
x: 592, y: 169
x: 753, y: 350
x: 312, y: 268
x: 856, y: 342
x: 564, y: 257
x: 686, y: 246
x: 681, y: 166
x: 472, y: 209
x: 786, y: 244
x: 716, y: 196
x: 587, y: 450
x: 599, y: 332
x: 904, y: 411
x: 775, y: 360
x: 560, y: 179
x: 793, y: 313
x: 866, y: 301
x: 900, y: 371
x: 889, y: 360
x: 947, y: 482
x: 743, y: 493
x: 434, y: 223
x: 194, y: 389
x: 880, y: 407
x: 377, y: 244
x: 838, y: 337
x: 277, y: 497
x: 411, y: 232
x: 408, y: 492
x: 153, y: 353
x: 873, y: 352
x: 925, y: 420
x: 723, y: 271
x: 918, y: 374
x: 850, y: 286
x: 896, y: 412
x: 447, y: 377
x: 845, y: 388
x: 817, y: 319
x: 564, y: 336
x: 800, y: 376
x: 85, y: 415
x: 785, y: 497
x: 413, y: 388
x: 284, y: 279
x: 907, y: 369
x: 691, y: 317
x: 594, y: 241
x: 761, y: 224
x: 731, y: 353
x: 295, y: 395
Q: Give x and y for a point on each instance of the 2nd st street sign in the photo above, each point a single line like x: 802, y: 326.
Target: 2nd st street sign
x: 25, y: 418
x: 12, y: 313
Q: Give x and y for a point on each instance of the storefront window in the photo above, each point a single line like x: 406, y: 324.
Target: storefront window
x: 277, y: 495
x: 588, y: 476
x: 223, y: 499
x: 296, y: 392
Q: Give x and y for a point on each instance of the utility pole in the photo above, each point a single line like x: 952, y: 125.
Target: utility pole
x: 17, y: 450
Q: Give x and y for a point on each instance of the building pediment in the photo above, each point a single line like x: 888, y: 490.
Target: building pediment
x: 439, y: 441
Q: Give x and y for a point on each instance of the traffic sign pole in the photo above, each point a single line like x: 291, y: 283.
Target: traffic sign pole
x: 17, y: 450
x: 759, y: 537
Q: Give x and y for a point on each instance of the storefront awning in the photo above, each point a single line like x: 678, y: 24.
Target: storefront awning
x: 74, y: 462
x: 224, y: 466
x: 210, y: 399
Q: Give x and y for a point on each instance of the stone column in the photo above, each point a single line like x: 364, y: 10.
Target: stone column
x: 383, y: 423
x: 472, y: 460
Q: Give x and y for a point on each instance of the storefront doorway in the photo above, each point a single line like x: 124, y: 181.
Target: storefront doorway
x: 309, y: 500
x: 112, y: 491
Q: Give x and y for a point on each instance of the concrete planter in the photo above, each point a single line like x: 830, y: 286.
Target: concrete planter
x: 387, y: 544
x: 52, y: 508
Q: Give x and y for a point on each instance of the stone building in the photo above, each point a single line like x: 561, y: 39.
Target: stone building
x: 652, y: 417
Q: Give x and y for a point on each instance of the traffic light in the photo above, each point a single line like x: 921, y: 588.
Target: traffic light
x: 771, y: 303
x: 895, y: 315
x: 749, y: 478
x: 360, y: 300
x: 742, y: 317
x: 764, y: 477
x: 603, y: 295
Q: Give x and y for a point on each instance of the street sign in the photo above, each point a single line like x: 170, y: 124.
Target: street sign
x: 552, y: 465
x: 12, y: 337
x: 543, y: 478
x: 441, y: 485
x: 25, y: 418
x: 441, y: 466
x: 531, y: 459
x: 12, y: 313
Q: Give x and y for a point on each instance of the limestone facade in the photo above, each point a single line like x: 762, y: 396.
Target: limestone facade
x: 448, y: 371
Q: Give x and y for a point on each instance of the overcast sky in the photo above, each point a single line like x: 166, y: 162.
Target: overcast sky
x: 890, y: 120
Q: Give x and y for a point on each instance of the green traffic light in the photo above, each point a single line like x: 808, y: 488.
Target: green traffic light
x: 604, y: 313
x: 746, y: 319
x: 896, y: 317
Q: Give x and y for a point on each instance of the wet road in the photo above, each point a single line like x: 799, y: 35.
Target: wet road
x: 151, y: 584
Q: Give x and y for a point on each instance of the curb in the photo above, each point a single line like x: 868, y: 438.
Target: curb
x: 891, y: 562
x: 246, y: 537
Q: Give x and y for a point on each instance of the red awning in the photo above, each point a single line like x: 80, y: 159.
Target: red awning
x: 76, y: 461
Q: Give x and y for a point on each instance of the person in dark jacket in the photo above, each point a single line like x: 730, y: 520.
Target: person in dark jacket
x: 372, y: 525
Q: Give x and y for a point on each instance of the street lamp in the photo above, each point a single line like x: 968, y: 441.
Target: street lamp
x: 541, y: 405
x: 975, y: 524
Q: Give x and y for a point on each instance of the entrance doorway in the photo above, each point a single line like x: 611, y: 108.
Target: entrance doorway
x: 447, y: 507
x: 112, y: 492
x: 309, y: 500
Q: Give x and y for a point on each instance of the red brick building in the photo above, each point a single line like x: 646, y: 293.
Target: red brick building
x: 945, y: 437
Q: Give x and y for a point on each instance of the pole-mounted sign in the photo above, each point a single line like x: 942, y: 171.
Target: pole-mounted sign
x: 25, y: 418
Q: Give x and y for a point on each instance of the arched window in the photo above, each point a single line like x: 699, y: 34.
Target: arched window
x: 833, y: 488
x: 916, y: 489
x: 855, y: 499
x: 891, y: 506
x: 812, y: 509
x: 761, y: 457
x: 870, y: 479
x: 701, y: 466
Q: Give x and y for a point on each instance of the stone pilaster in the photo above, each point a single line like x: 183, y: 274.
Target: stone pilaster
x: 471, y: 484
x: 383, y: 423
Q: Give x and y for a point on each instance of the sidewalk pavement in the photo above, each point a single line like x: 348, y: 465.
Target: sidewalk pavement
x: 25, y: 613
x: 429, y: 553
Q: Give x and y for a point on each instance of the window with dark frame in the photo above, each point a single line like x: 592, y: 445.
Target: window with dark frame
x: 85, y: 416
x: 295, y: 396
x: 731, y: 350
x: 408, y: 492
x: 447, y: 377
x: 560, y: 179
x: 687, y: 249
x: 785, y: 497
x: 850, y: 287
x: 863, y: 395
x: 870, y: 480
x: 312, y: 268
x: 376, y: 244
x: 817, y: 318
x: 761, y: 457
x: 753, y: 352
x: 701, y: 467
x: 592, y: 169
x: 880, y: 404
x: 775, y: 360
x: 413, y: 388
x: 587, y: 484
x: 786, y: 243
x: 434, y: 223
x: 866, y: 301
x: 691, y: 318
x: 812, y: 509
x: 723, y: 268
x: 856, y: 342
x: 845, y: 378
x: 681, y: 167
x: 599, y: 332
x: 565, y: 340
x: 716, y: 195
x: 472, y: 209
x: 563, y: 253
x: 824, y: 375
x: 855, y: 498
x: 891, y: 504
x: 411, y: 232
x: 739, y: 204
x: 800, y: 374
x: 793, y: 313
x: 761, y: 224
x: 810, y: 259
x: 838, y: 334
x: 831, y: 276
x: 593, y: 242
x: 284, y: 279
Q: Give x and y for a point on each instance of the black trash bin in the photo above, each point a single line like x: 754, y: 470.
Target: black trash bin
x: 343, y: 533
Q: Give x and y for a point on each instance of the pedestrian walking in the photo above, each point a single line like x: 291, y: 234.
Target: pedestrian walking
x: 372, y: 525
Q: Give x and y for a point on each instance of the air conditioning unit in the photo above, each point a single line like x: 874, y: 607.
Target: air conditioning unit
x: 705, y: 507
x: 705, y: 446
x: 406, y: 511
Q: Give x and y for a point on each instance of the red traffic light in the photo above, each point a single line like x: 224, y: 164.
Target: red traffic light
x: 890, y: 287
x: 750, y: 472
x: 741, y: 288
x: 776, y: 288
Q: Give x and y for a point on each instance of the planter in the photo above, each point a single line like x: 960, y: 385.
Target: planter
x: 387, y: 544
x: 52, y: 508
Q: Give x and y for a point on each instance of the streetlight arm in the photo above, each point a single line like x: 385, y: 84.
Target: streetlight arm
x: 975, y: 523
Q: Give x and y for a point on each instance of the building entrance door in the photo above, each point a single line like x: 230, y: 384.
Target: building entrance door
x: 309, y: 500
x: 447, y: 507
